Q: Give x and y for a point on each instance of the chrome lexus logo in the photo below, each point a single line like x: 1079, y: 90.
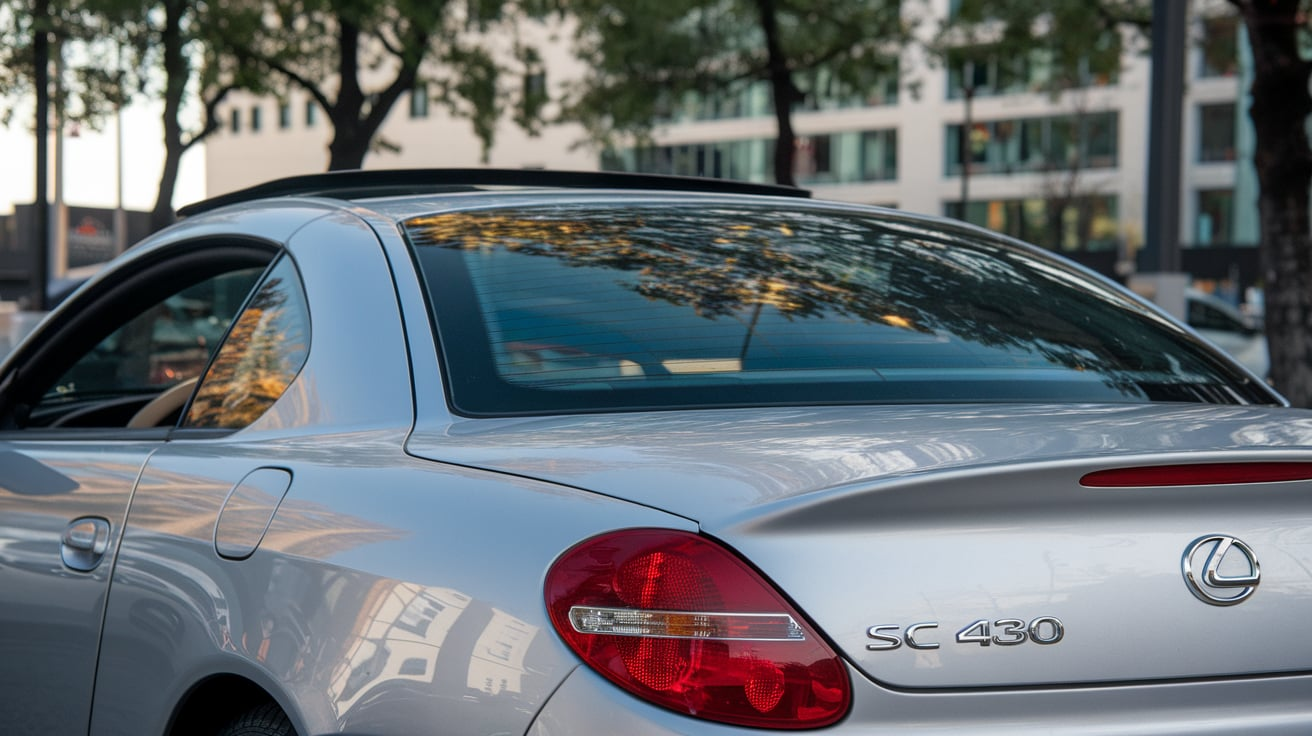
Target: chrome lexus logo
x: 1203, y: 573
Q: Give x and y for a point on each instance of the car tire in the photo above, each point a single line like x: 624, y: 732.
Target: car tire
x: 266, y: 720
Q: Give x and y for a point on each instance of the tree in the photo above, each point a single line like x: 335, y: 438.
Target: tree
x: 1065, y: 188
x: 120, y: 50
x: 1061, y: 48
x: 1075, y: 41
x: 644, y: 56
x: 1281, y: 103
x: 90, y: 89
x: 173, y: 55
x: 356, y: 58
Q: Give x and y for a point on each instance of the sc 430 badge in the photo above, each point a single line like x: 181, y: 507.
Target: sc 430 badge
x: 1004, y: 632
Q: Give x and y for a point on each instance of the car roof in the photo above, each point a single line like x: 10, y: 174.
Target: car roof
x: 355, y: 185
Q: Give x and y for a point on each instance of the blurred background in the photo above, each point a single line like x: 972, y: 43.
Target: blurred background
x: 1120, y: 133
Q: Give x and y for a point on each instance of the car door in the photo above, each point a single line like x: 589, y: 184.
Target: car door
x: 71, y: 454
x: 310, y: 388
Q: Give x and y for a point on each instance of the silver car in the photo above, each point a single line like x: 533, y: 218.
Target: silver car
x: 547, y: 453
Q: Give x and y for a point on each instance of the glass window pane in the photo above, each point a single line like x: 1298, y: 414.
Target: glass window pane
x: 668, y: 307
x: 259, y: 358
x: 1219, y: 50
x: 1215, y: 217
x: 1216, y: 132
x: 167, y: 344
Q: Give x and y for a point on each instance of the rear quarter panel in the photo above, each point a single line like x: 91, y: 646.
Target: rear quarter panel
x: 389, y: 594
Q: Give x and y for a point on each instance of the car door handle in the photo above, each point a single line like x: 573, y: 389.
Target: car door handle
x: 85, y: 542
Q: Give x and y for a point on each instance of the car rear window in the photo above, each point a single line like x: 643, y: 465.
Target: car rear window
x: 615, y: 307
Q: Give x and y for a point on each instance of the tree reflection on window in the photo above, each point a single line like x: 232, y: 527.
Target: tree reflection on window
x: 586, y: 308
x: 264, y: 351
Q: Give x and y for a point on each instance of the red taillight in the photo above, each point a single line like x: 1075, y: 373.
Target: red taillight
x: 678, y: 620
x: 1203, y: 474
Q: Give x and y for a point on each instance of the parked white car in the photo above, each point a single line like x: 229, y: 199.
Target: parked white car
x: 1229, y: 329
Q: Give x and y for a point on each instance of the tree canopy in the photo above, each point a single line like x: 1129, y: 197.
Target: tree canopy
x: 356, y: 58
x: 644, y: 56
x: 1076, y: 41
x: 93, y: 81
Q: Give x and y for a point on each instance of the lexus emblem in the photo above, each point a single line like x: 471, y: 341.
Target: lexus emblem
x: 1203, y: 573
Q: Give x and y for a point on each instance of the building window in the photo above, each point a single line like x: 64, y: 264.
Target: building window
x: 981, y: 71
x: 879, y: 155
x: 1087, y: 141
x: 311, y: 113
x: 535, y: 92
x: 990, y: 73
x: 1215, y: 224
x: 235, y: 122
x: 812, y: 159
x: 255, y: 119
x: 1076, y: 223
x: 1216, y: 137
x: 821, y: 90
x: 419, y: 101
x: 284, y: 115
x: 836, y: 158
x: 1219, y: 48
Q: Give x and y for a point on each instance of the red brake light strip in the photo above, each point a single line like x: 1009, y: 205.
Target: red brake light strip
x: 1205, y: 474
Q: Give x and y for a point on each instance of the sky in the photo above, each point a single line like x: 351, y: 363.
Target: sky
x: 90, y: 167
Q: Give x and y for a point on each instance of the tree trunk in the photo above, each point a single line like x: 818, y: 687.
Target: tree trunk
x: 348, y: 147
x: 354, y: 128
x: 784, y: 94
x: 177, y: 70
x: 1283, y: 159
x: 346, y: 151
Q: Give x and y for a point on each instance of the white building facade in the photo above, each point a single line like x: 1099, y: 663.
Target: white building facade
x: 899, y: 146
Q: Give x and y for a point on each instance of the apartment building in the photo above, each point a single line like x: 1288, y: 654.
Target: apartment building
x: 1067, y: 172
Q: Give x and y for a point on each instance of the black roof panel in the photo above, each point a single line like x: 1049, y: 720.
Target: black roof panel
x: 358, y: 184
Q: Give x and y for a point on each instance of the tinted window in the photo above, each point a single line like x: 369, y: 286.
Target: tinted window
x: 264, y: 351
x: 586, y: 309
x: 1207, y: 317
x: 170, y: 342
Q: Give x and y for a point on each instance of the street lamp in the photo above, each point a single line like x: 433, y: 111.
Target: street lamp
x: 968, y: 95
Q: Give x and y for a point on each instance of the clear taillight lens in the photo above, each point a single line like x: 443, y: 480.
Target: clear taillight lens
x: 680, y: 621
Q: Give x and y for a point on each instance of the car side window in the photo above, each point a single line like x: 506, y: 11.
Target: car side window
x: 265, y: 349
x: 1207, y: 317
x: 167, y: 344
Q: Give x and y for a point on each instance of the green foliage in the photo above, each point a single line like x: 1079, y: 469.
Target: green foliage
x: 93, y: 82
x: 356, y: 58
x: 1076, y: 42
x: 645, y: 55
x: 473, y: 92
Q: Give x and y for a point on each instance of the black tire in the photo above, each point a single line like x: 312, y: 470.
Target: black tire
x: 266, y: 720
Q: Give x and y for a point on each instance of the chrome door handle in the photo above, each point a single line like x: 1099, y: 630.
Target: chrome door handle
x: 85, y: 542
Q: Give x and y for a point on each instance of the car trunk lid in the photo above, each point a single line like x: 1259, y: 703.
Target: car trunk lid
x: 1029, y: 576
x: 986, y: 534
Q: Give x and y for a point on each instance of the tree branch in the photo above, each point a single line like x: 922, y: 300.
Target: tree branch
x: 211, y: 117
x: 390, y: 46
x: 1114, y: 20
x: 273, y: 64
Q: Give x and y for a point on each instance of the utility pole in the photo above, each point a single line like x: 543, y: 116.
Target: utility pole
x: 1165, y: 121
x: 58, y: 244
x: 1160, y: 277
x: 40, y: 259
x: 120, y: 214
